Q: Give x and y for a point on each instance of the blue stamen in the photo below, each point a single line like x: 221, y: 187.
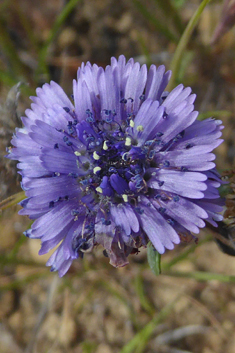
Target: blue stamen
x: 176, y: 198
x: 75, y: 212
x: 71, y: 128
x: 164, y: 198
x: 162, y: 210
x: 139, y: 210
x: 149, y: 143
x: 152, y: 154
x: 166, y: 163
x: 184, y: 169
x: 105, y: 222
x: 157, y: 197
x: 159, y: 134
x: 73, y: 175
x: 189, y: 145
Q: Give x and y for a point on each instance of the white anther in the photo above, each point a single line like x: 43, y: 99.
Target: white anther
x: 77, y: 153
x: 128, y: 141
x: 105, y: 146
x: 96, y: 169
x: 140, y: 128
x: 132, y: 124
x: 98, y: 189
x: 96, y: 156
x: 125, y: 197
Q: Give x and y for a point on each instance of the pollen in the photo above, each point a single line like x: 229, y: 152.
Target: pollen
x: 96, y: 170
x: 132, y: 124
x: 140, y: 128
x: 98, y: 189
x: 128, y: 141
x: 105, y: 146
x: 77, y: 153
x: 125, y: 197
x: 96, y: 156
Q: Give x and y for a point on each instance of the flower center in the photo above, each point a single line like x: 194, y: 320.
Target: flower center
x: 114, y: 163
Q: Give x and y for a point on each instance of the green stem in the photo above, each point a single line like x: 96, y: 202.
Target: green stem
x: 172, y: 13
x: 202, y: 276
x: 10, y: 260
x: 176, y: 61
x: 18, y: 283
x: 12, y: 200
x: 214, y: 114
x: 145, y: 303
x: 154, y: 21
x: 140, y: 340
x: 183, y: 255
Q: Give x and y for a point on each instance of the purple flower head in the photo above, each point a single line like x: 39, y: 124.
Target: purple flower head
x: 122, y: 163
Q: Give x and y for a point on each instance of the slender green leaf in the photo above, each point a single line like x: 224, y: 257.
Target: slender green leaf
x: 176, y: 61
x: 109, y: 287
x: 154, y: 259
x: 139, y: 286
x: 159, y: 26
x: 178, y: 3
x: 202, y: 276
x: 184, y: 254
x: 172, y: 13
x: 214, y: 114
x: 19, y: 283
x: 185, y: 61
x: 10, y: 260
x: 12, y: 200
x: 140, y: 340
x: 42, y: 66
x: 144, y: 48
x: 14, y: 252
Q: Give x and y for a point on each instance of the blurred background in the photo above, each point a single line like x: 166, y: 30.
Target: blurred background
x: 96, y: 308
